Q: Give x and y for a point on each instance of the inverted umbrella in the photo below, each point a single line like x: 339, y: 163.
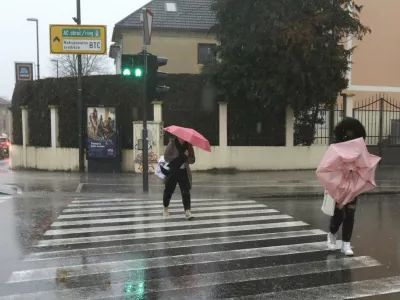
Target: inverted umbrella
x: 191, y: 136
x: 348, y: 170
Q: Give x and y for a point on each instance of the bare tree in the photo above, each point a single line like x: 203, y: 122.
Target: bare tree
x: 68, y: 65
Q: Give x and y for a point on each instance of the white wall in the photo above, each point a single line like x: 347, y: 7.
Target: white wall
x: 260, y: 158
x: 52, y: 159
x: 128, y: 165
x: 240, y: 158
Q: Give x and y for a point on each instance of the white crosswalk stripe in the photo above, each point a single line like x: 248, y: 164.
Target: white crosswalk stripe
x: 125, y: 249
x: 156, y: 218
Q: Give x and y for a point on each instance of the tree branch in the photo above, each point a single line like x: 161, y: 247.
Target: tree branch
x: 68, y: 65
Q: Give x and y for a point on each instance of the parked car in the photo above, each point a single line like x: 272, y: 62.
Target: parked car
x: 5, y: 145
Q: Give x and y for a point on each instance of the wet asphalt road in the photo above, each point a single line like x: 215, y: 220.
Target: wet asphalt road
x: 86, y: 246
x: 25, y: 222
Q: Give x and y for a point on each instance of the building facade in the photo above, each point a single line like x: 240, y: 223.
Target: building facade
x: 182, y: 32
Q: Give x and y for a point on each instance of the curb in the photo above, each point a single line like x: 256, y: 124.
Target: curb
x: 315, y: 194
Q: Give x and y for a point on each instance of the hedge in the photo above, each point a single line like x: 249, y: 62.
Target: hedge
x: 190, y: 102
x: 187, y: 104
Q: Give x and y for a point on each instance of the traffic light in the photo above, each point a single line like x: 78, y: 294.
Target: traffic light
x: 132, y: 66
x: 155, y: 86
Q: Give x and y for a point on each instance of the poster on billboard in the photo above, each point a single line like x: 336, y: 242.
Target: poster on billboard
x: 102, y: 136
x: 23, y: 72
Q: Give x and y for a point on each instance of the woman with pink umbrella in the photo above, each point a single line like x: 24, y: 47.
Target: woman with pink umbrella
x: 179, y: 154
x: 348, y: 129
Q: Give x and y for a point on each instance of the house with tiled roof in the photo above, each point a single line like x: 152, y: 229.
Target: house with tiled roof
x: 181, y: 32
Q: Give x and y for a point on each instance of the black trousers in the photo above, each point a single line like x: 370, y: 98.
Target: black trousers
x: 344, y: 216
x: 179, y: 177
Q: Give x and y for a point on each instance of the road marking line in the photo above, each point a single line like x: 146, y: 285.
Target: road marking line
x: 167, y: 261
x: 210, y: 279
x: 79, y: 188
x: 122, y: 202
x: 173, y: 244
x: 350, y: 290
x: 104, y: 229
x: 160, y: 206
x: 158, y: 211
x: 144, y: 200
x: 157, y: 218
x: 168, y: 233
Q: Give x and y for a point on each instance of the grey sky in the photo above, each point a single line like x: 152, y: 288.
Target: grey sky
x: 18, y: 36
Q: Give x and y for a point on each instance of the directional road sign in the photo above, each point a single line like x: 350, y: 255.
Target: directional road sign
x: 78, y: 39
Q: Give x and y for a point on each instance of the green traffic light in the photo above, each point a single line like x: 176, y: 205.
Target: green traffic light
x: 138, y: 72
x: 126, y: 72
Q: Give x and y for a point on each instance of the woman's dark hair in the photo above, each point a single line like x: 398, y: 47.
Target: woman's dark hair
x: 351, y: 124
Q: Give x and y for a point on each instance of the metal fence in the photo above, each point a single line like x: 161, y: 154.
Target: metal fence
x: 381, y: 117
x: 323, y: 130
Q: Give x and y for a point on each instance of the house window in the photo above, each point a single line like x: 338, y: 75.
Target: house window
x: 205, y: 53
x: 170, y: 6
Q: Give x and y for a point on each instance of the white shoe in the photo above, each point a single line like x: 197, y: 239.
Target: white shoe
x: 188, y: 214
x: 346, y: 249
x: 165, y: 212
x: 331, y: 241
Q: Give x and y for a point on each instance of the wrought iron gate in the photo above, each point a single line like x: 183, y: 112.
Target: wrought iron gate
x: 381, y: 118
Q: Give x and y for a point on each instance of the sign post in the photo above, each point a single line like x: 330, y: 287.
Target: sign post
x: 78, y: 39
x: 147, y: 19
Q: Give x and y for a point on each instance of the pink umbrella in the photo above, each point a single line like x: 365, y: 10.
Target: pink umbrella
x: 191, y: 136
x: 348, y: 170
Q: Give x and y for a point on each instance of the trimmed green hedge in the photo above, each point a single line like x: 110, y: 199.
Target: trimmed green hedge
x: 187, y: 104
x: 190, y: 102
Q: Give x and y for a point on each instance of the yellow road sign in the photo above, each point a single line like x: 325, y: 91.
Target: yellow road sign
x: 78, y: 39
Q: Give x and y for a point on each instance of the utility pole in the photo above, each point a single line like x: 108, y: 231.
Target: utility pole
x: 37, y: 45
x: 144, y: 132
x: 79, y: 104
x: 37, y: 50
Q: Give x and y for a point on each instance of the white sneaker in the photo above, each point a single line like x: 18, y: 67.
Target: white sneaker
x: 346, y: 249
x: 331, y: 241
x: 188, y: 214
x: 165, y: 212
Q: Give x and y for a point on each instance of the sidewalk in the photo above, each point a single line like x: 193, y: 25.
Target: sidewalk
x: 305, y: 184
x: 246, y: 184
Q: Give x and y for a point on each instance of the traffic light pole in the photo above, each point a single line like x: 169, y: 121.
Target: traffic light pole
x: 144, y: 132
x: 79, y: 102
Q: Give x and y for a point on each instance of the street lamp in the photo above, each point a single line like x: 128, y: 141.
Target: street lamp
x: 56, y: 61
x: 37, y: 44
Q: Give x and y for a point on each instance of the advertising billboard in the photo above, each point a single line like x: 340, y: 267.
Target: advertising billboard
x: 102, y: 137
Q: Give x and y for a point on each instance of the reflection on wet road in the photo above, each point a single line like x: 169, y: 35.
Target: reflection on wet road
x: 110, y: 248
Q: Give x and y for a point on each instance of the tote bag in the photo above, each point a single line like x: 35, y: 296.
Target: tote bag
x: 161, y: 164
x: 328, y: 205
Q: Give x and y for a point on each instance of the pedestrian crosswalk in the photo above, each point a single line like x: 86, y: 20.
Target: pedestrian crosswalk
x: 233, y: 249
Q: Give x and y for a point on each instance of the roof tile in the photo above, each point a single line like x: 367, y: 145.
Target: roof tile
x: 190, y: 15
